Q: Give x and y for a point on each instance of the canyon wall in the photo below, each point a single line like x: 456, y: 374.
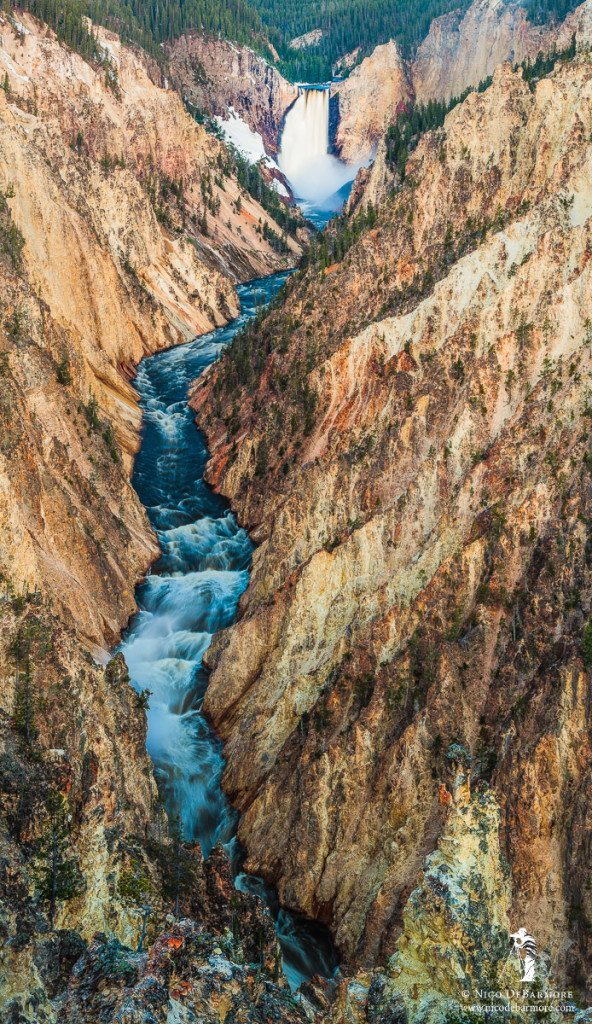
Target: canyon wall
x: 415, y: 472
x: 460, y: 50
x: 132, y: 240
x: 216, y: 75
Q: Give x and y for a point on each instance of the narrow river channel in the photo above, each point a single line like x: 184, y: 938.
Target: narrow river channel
x: 191, y: 592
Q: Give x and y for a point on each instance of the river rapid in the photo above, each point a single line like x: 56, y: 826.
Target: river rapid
x: 191, y: 592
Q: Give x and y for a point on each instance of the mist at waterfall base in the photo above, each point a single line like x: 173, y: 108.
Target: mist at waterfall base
x: 191, y: 592
x: 321, y: 183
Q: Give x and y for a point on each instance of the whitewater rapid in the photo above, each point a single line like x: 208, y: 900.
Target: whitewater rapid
x: 192, y: 591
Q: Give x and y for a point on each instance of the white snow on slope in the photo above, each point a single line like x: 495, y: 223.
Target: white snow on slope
x: 248, y: 143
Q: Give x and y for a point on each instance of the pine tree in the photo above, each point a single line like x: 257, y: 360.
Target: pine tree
x: 23, y: 711
x: 177, y: 851
x: 57, y: 874
x: 180, y: 876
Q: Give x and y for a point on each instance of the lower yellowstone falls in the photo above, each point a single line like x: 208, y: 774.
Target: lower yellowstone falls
x: 192, y: 591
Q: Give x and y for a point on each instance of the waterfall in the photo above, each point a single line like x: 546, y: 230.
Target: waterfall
x: 313, y: 172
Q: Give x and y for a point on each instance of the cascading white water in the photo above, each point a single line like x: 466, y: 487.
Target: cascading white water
x: 313, y: 172
x: 191, y: 592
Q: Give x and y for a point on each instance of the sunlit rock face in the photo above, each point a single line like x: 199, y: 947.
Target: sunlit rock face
x: 414, y: 471
x: 369, y: 99
x: 215, y: 75
x: 460, y: 50
x: 112, y: 267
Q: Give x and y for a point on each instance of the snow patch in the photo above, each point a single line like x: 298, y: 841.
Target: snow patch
x: 280, y: 188
x: 109, y: 50
x: 244, y: 139
x: 18, y: 25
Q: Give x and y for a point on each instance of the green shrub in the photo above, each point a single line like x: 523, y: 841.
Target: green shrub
x: 63, y: 371
x: 587, y: 644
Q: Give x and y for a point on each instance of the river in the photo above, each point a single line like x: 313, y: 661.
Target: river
x: 191, y: 592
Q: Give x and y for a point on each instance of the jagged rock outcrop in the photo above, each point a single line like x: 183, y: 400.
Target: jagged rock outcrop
x: 189, y: 974
x: 373, y: 184
x: 454, y: 940
x: 216, y: 75
x: 415, y: 470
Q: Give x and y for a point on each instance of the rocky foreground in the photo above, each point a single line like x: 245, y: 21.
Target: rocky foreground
x: 415, y: 468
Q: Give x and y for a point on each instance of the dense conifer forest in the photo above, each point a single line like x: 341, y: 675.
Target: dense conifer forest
x: 148, y: 22
x: 349, y: 24
x: 346, y: 24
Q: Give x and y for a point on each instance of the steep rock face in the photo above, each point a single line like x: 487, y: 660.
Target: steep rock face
x: 368, y: 102
x: 61, y: 732
x: 121, y: 232
x: 455, y: 927
x: 461, y: 50
x: 372, y: 184
x: 108, y: 188
x: 416, y: 472
x: 215, y: 75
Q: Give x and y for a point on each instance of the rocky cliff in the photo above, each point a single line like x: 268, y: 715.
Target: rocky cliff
x: 216, y: 75
x: 368, y: 101
x: 460, y: 50
x: 415, y: 470
x: 129, y: 238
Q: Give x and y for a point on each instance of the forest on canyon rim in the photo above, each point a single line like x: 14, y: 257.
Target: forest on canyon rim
x: 295, y: 512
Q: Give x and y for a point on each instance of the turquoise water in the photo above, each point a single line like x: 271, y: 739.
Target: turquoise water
x: 191, y: 592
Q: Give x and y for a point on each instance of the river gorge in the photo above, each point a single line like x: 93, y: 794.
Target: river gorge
x: 191, y: 592
x: 295, y: 564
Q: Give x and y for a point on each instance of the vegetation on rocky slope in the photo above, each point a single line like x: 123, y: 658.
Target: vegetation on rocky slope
x: 264, y: 25
x: 404, y: 134
x: 415, y: 470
